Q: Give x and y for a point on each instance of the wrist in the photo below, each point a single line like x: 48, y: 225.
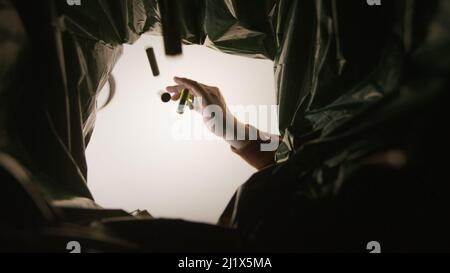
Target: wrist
x: 239, y: 140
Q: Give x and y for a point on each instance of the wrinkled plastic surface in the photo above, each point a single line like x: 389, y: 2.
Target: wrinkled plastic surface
x: 351, y: 81
x: 360, y: 101
x: 73, y: 49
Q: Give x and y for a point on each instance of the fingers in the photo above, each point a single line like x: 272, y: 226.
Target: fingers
x: 196, y: 89
x: 194, y: 86
x: 175, y: 91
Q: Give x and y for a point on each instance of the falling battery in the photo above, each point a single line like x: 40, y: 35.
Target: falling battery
x: 152, y: 60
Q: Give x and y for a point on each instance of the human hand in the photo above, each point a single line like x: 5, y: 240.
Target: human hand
x: 211, y: 104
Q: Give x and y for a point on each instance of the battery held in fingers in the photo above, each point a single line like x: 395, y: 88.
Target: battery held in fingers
x: 184, y: 96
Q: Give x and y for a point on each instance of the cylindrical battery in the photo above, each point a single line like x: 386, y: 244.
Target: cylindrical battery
x: 165, y: 96
x: 183, y: 100
x: 152, y: 60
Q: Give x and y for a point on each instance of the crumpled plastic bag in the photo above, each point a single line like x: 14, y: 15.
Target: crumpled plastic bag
x: 346, y: 80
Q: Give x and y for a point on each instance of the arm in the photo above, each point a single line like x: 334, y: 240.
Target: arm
x: 255, y: 147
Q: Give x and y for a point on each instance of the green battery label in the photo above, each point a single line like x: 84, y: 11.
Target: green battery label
x: 183, y: 100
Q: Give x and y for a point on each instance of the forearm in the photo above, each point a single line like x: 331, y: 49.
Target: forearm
x: 256, y: 148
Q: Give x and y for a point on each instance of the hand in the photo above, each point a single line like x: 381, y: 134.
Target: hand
x: 208, y: 96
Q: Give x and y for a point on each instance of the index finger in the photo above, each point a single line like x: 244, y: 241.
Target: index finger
x: 194, y: 86
x: 175, y: 91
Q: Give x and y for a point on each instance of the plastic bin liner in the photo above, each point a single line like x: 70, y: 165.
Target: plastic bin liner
x: 350, y: 80
x: 361, y: 100
x: 56, y: 57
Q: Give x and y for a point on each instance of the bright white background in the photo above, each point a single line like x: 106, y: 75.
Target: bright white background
x: 135, y: 162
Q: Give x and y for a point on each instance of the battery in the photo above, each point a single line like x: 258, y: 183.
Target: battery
x: 152, y: 60
x: 165, y: 96
x: 184, y: 97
